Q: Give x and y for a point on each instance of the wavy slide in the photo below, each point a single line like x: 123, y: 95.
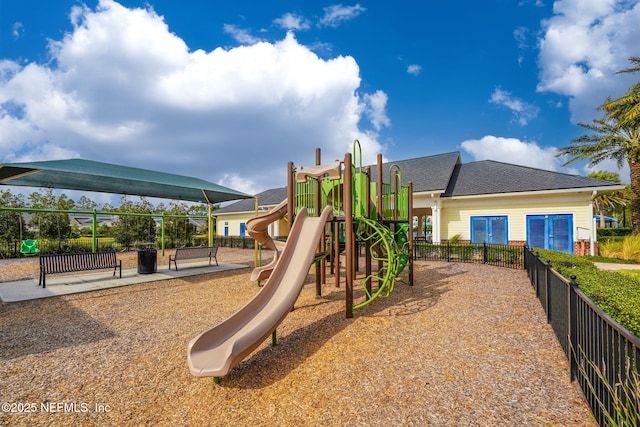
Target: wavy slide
x: 216, y: 351
x: 258, y: 229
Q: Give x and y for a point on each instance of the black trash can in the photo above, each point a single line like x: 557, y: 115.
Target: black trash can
x: 147, y: 260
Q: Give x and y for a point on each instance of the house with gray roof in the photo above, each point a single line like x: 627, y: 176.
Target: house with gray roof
x: 479, y: 202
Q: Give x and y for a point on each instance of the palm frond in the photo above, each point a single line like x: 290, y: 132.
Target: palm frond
x: 605, y: 142
x: 626, y: 109
x: 634, y: 60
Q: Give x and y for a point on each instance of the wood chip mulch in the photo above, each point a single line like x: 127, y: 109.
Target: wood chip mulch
x: 467, y: 345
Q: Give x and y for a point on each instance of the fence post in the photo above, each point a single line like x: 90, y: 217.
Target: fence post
x: 573, y: 328
x: 448, y: 252
x: 484, y: 252
x: 536, y: 280
x: 548, y: 297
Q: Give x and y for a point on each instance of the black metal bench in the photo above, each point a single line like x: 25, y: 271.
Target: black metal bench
x: 192, y: 252
x: 67, y: 263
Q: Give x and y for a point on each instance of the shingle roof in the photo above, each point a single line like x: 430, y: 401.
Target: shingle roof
x: 266, y: 198
x: 444, y: 173
x: 491, y: 177
x: 428, y: 174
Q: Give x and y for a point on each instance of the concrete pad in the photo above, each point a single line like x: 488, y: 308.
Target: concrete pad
x: 71, y: 284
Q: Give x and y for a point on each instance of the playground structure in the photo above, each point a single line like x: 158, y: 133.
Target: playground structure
x: 377, y: 212
x: 331, y: 209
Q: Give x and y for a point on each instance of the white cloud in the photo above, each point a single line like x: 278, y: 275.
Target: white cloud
x: 240, y: 35
x: 521, y: 34
x: 337, y: 14
x: 610, y: 166
x: 237, y: 182
x: 414, y: 69
x: 583, y: 45
x: 521, y: 110
x: 122, y: 88
x: 515, y: 151
x: 537, y: 3
x: 376, y: 109
x: 512, y: 150
x: 291, y: 21
x: 17, y: 30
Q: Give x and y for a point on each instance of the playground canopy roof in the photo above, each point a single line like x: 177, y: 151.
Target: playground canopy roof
x: 87, y: 175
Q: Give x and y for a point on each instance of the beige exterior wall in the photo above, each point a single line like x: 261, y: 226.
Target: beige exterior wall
x: 456, y: 214
x: 234, y: 221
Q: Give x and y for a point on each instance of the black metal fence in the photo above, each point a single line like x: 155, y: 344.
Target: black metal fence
x: 234, y: 242
x: 498, y: 255
x: 604, y: 356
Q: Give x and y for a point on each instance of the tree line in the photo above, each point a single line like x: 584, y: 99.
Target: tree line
x: 133, y: 221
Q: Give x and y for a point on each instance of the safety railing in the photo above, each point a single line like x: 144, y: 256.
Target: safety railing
x: 498, y: 255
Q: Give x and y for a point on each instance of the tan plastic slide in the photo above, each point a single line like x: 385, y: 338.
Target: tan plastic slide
x: 258, y: 229
x: 216, y: 351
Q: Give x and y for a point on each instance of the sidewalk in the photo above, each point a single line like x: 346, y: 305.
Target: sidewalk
x: 613, y: 266
x: 85, y: 282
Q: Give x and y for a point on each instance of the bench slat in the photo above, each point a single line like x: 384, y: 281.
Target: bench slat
x: 67, y: 263
x: 192, y: 252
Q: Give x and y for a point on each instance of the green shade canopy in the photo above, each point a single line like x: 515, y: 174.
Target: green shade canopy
x: 87, y: 175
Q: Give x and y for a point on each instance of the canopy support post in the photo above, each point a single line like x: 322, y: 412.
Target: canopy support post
x: 162, y: 233
x: 94, y: 234
x: 210, y: 224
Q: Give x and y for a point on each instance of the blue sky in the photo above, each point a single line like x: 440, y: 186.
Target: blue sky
x: 231, y: 91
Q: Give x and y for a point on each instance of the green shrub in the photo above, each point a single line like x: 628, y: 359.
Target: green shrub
x: 634, y: 274
x: 616, y: 294
x: 606, y: 232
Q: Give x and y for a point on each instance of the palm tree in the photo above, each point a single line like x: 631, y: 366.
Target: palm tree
x: 626, y: 109
x: 610, y: 141
x: 616, y: 137
x: 604, y: 202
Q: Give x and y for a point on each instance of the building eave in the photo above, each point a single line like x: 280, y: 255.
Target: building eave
x: 588, y: 190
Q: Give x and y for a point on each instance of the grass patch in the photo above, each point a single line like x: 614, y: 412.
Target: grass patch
x: 611, y: 260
